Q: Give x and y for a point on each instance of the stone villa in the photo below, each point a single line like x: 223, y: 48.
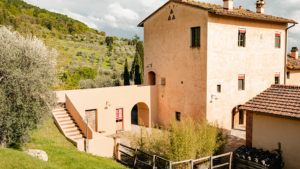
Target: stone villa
x: 201, y: 60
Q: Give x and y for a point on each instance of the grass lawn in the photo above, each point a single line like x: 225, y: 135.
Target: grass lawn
x: 61, y: 153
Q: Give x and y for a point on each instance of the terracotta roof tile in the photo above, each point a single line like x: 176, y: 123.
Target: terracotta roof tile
x: 293, y: 63
x: 282, y: 100
x: 218, y: 9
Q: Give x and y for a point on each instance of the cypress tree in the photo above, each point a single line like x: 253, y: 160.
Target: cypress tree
x: 140, y: 51
x: 138, y: 77
x: 126, y: 74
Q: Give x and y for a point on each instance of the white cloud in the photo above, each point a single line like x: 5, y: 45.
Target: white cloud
x: 153, y: 3
x: 120, y: 12
x: 111, y: 20
x: 86, y: 20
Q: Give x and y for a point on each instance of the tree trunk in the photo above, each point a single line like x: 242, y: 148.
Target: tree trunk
x: 3, y: 139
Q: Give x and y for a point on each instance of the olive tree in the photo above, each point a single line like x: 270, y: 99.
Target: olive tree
x: 27, y: 72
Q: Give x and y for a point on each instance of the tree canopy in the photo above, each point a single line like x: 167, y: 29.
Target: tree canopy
x: 27, y: 72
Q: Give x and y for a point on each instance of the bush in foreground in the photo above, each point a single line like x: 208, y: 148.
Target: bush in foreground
x: 27, y: 72
x: 188, y: 139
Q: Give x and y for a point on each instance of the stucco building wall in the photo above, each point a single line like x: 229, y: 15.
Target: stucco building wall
x: 269, y: 130
x: 294, y: 77
x: 119, y: 97
x: 225, y: 60
x: 168, y: 49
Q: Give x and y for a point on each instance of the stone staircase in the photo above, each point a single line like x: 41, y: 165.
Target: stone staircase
x: 67, y: 124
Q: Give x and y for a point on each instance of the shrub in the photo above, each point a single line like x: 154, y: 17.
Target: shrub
x: 87, y: 84
x: 93, y: 56
x: 85, y: 54
x: 188, y: 139
x: 79, y: 53
x: 27, y: 70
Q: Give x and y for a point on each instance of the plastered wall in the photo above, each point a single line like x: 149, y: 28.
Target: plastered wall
x: 268, y: 131
x: 118, y: 97
x: 294, y: 77
x: 168, y: 49
x: 225, y: 60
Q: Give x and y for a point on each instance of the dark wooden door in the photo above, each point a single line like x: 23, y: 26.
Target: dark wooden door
x: 91, y: 116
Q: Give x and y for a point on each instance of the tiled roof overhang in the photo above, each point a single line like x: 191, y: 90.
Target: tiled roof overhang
x: 279, y: 100
x: 218, y: 9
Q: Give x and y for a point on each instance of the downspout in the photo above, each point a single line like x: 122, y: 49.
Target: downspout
x: 286, y: 49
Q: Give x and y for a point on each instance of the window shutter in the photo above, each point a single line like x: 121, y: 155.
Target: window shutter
x: 240, y: 84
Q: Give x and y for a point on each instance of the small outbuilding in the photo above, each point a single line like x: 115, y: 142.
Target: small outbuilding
x: 274, y: 116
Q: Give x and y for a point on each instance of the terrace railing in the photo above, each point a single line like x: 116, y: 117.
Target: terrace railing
x: 140, y: 159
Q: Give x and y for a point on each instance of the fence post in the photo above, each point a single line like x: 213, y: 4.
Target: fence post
x: 211, y: 162
x: 135, y: 157
x: 117, y: 141
x: 230, y: 160
x: 170, y: 164
x: 154, y: 161
x: 192, y: 164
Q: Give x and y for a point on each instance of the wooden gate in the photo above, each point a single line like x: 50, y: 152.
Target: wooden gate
x: 119, y: 119
x: 91, y: 116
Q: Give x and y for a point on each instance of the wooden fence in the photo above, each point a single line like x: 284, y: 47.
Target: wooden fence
x: 140, y: 159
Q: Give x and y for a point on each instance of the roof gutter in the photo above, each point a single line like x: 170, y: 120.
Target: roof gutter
x: 286, y: 49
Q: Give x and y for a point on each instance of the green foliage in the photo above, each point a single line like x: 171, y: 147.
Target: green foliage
x: 57, y: 23
x: 109, y: 40
x: 27, y: 72
x: 140, y: 51
x: 62, y: 153
x: 138, y: 72
x: 126, y: 74
x: 279, y: 152
x: 73, y: 78
x: 184, y: 140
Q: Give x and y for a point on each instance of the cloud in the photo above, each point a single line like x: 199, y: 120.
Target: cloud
x: 120, y: 17
x: 120, y: 12
x: 89, y: 21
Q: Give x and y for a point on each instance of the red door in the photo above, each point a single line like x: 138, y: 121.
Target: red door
x: 119, y: 119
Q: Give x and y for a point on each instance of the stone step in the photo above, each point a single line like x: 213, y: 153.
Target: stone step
x: 73, y: 132
x: 68, y: 124
x: 62, y: 115
x: 65, y: 121
x: 79, y: 138
x: 73, y: 136
x: 58, y: 110
x: 70, y: 128
x: 64, y: 118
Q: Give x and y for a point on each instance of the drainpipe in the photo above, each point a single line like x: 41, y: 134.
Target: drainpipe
x: 286, y: 49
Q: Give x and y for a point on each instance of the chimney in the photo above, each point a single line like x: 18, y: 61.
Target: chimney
x: 260, y: 6
x: 228, y: 5
x: 295, y: 52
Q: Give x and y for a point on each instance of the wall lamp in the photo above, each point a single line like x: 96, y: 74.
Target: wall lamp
x: 212, y: 97
x: 150, y: 65
x: 107, y: 104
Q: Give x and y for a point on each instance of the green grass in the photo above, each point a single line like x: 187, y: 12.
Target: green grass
x: 61, y: 153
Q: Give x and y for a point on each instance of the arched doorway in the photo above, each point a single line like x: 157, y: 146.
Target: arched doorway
x: 238, y: 118
x: 151, y: 76
x: 140, y: 115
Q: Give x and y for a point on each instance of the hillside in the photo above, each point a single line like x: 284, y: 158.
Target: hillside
x: 61, y: 153
x: 87, y: 58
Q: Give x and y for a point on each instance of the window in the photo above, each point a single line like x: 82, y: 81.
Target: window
x: 242, y: 38
x: 241, y: 118
x: 219, y: 88
x: 288, y: 75
x: 163, y: 81
x: 241, y: 82
x: 277, y: 39
x: 178, y: 116
x: 277, y: 79
x: 195, y: 39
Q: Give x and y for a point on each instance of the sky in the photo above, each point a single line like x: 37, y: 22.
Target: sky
x: 121, y: 17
